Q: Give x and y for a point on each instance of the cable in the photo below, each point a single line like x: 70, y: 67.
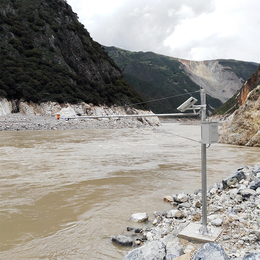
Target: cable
x: 158, y: 99
x: 163, y: 131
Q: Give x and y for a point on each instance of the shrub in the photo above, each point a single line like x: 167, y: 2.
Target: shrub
x: 3, y: 93
x: 17, y: 44
x: 33, y: 53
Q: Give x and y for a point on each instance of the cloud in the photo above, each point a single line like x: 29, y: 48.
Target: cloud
x: 144, y: 25
x: 196, y: 30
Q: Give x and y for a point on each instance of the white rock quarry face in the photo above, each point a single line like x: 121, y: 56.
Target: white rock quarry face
x: 82, y: 109
x: 5, y: 107
x: 67, y: 112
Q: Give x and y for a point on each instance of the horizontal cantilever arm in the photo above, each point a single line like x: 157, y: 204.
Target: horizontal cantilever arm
x: 136, y: 115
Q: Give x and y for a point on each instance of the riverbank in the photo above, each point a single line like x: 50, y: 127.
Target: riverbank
x: 21, y: 122
x: 233, y: 205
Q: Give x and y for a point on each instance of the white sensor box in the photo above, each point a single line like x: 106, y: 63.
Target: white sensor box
x: 209, y: 132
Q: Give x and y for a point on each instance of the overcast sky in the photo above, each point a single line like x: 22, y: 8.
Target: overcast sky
x: 187, y: 29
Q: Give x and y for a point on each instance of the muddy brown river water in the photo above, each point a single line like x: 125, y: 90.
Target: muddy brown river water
x: 64, y: 194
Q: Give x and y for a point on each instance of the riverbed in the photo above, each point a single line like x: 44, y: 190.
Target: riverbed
x: 64, y: 194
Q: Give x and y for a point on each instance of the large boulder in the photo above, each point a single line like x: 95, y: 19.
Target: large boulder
x: 151, y: 250
x: 255, y: 256
x: 211, y: 251
x: 255, y: 184
x: 233, y: 179
x: 173, y: 248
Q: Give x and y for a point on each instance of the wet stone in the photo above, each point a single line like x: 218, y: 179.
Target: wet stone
x: 122, y: 240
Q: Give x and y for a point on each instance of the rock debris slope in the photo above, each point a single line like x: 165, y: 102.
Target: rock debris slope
x: 219, y: 81
x: 243, y: 126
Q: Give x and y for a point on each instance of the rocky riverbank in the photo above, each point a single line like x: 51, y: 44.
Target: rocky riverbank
x: 233, y: 205
x: 43, y: 116
x: 21, y: 122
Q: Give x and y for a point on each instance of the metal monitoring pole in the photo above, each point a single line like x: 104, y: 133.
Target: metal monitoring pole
x: 209, y: 134
x: 203, y: 229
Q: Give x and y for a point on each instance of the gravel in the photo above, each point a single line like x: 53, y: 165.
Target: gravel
x: 21, y: 122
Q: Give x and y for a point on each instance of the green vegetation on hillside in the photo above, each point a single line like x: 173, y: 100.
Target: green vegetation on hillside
x: 242, y: 69
x: 47, y: 55
x: 157, y: 77
x: 228, y: 107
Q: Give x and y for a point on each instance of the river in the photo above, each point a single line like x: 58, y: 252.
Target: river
x: 64, y: 194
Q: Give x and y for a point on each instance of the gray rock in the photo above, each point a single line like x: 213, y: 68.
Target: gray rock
x: 151, y: 250
x: 184, y: 205
x: 255, y: 184
x: 181, y: 198
x: 211, y: 251
x: 171, y: 213
x: 122, y: 240
x: 226, y: 237
x: 242, y: 187
x: 197, y: 204
x: 233, y: 179
x: 217, y: 222
x: 213, y: 191
x: 157, y: 232
x: 173, y: 248
x: 239, y: 198
x: 168, y: 198
x: 232, y: 193
x: 257, y: 234
x: 139, y: 217
x: 255, y: 256
x: 233, y: 212
x: 218, y: 186
x: 246, y: 193
x: 130, y: 228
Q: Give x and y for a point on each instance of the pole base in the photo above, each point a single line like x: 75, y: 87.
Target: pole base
x: 205, y: 231
x: 191, y: 232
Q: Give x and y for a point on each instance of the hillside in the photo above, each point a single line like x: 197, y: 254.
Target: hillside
x: 47, y: 55
x: 243, y: 126
x: 156, y: 76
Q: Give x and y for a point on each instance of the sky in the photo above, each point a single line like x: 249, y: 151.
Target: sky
x: 187, y: 29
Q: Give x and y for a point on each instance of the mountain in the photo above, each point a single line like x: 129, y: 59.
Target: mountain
x: 242, y: 127
x: 47, y: 55
x: 157, y: 76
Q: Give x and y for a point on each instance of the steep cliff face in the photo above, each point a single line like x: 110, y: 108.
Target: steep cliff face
x: 47, y: 55
x: 250, y: 84
x: 243, y: 126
